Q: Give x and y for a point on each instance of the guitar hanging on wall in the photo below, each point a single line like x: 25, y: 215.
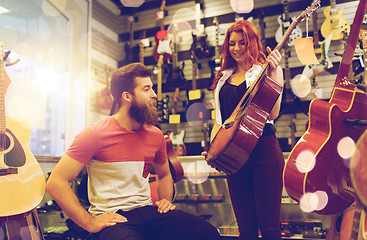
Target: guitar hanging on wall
x: 175, y: 76
x: 334, y: 23
x: 129, y: 45
x: 174, y: 119
x: 199, y: 43
x: 162, y: 104
x: 22, y: 182
x: 284, y: 23
x: 214, y: 63
x: 104, y: 98
x: 162, y: 46
x: 321, y: 51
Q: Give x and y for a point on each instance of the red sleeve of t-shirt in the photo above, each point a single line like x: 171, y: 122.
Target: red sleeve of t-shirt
x: 84, y: 146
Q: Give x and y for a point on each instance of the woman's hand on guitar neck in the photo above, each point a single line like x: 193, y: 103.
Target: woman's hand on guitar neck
x: 273, y: 59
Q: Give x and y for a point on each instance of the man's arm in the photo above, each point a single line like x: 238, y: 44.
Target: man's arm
x: 165, y: 187
x: 58, y: 186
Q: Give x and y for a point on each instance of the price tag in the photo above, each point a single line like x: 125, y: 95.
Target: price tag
x: 174, y: 118
x: 194, y: 94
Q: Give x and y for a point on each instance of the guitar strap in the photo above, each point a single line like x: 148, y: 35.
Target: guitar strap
x: 348, y: 55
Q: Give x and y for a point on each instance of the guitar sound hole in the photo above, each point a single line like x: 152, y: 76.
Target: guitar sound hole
x: 4, y: 142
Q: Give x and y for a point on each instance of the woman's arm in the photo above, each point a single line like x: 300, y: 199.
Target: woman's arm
x: 275, y: 72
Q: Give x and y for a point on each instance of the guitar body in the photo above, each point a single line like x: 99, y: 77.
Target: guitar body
x: 296, y: 33
x: 200, y: 46
x: 162, y: 47
x: 175, y: 76
x: 231, y: 147
x: 334, y: 23
x: 176, y: 170
x: 214, y: 65
x: 23, y: 191
x: 175, y: 166
x: 325, y: 169
x: 105, y: 100
x: 177, y: 143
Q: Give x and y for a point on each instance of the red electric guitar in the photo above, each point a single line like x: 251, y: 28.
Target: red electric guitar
x: 163, y: 43
x: 317, y: 163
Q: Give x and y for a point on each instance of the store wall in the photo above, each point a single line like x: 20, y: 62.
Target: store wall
x: 109, y: 47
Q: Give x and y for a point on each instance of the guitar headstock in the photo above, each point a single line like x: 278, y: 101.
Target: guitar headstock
x: 160, y: 61
x: 309, y: 10
x: 163, y: 5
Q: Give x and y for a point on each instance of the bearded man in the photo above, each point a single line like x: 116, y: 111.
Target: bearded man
x: 118, y: 152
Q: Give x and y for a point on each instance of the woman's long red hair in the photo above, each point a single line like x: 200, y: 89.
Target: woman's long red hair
x: 254, y: 48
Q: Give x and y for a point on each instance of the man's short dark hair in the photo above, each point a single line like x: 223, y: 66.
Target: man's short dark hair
x: 123, y: 79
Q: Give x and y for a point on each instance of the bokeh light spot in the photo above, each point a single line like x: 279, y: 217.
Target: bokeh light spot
x: 132, y: 3
x: 183, y: 15
x: 345, y: 147
x: 196, y: 114
x: 305, y: 161
x: 313, y: 201
x: 301, y: 85
x: 198, y: 172
x: 242, y: 6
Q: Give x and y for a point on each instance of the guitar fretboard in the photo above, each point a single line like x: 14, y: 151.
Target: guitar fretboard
x: 2, y: 91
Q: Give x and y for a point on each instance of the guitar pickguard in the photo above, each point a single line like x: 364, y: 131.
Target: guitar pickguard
x: 13, y: 152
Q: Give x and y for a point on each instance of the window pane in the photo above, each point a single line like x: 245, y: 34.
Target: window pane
x: 38, y: 91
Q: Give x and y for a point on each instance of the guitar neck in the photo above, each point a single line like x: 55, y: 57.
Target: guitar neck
x: 141, y: 53
x: 130, y: 20
x: 217, y: 47
x: 159, y: 84
x: 162, y: 8
x: 2, y: 91
x: 356, y: 221
x: 363, y: 37
x: 175, y: 50
x: 287, y: 73
x: 262, y: 28
x: 194, y: 73
x: 333, y: 6
x: 197, y: 14
x: 159, y: 78
x: 141, y: 47
x: 315, y: 30
x: 348, y: 55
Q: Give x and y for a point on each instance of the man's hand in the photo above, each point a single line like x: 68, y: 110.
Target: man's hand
x: 164, y: 206
x: 104, y: 220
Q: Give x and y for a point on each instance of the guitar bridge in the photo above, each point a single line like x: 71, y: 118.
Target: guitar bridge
x: 8, y: 171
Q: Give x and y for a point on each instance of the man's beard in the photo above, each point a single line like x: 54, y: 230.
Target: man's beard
x: 144, y: 113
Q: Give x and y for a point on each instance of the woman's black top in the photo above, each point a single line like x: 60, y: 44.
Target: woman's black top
x: 229, y: 97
